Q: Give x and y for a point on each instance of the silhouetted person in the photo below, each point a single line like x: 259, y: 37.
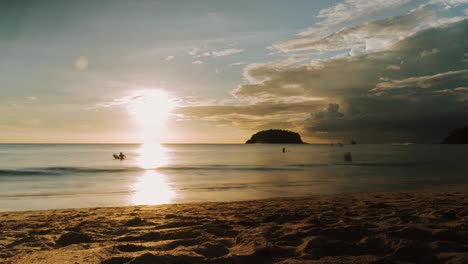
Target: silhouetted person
x: 347, y: 157
x: 121, y: 156
x: 284, y: 150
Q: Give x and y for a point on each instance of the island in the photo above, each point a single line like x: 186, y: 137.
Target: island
x: 457, y: 136
x: 275, y: 136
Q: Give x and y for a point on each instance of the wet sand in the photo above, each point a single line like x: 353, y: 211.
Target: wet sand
x: 397, y: 227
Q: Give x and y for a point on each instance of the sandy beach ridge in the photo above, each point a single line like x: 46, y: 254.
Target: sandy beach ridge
x: 391, y: 227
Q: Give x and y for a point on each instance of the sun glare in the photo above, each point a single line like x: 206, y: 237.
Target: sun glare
x: 151, y: 109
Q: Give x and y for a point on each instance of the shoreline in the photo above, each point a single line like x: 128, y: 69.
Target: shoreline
x: 425, y: 226
x: 445, y: 187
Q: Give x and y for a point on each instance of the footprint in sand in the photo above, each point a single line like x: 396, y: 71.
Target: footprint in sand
x: 212, y: 250
x: 130, y: 248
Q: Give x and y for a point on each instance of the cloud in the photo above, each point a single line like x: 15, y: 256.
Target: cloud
x: 169, y: 58
x: 332, y: 111
x: 393, y: 67
x: 193, y: 51
x: 251, y: 116
x: 426, y: 53
x: 353, y: 9
x: 226, y: 52
x: 81, y: 63
x: 257, y: 109
x: 219, y: 53
x: 355, y: 74
x: 197, y: 62
x: 449, y: 3
x: 389, y: 120
x: 424, y: 82
x: 329, y: 33
x: 371, y: 36
x: 369, y: 102
x: 238, y: 63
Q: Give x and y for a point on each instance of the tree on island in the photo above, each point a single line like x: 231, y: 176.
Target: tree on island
x: 275, y: 136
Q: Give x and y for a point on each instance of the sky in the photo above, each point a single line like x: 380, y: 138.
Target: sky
x: 210, y: 71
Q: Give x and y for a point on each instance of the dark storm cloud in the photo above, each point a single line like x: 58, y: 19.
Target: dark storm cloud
x: 331, y: 112
x: 432, y: 82
x: 420, y: 100
x: 389, y: 120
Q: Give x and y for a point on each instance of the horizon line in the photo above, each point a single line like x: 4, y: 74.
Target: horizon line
x: 100, y: 143
x: 164, y: 143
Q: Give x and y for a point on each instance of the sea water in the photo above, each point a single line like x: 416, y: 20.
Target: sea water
x: 70, y: 176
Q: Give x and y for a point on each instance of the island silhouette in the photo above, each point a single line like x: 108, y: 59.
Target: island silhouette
x: 275, y: 136
x: 457, y: 136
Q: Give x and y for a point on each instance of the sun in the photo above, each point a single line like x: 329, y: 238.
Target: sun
x: 150, y: 108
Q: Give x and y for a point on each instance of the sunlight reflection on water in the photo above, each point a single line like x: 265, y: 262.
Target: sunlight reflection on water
x: 151, y: 156
x: 151, y: 188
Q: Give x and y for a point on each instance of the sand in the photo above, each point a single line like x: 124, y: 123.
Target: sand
x: 421, y: 227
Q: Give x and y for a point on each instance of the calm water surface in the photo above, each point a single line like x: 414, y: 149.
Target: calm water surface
x: 69, y: 176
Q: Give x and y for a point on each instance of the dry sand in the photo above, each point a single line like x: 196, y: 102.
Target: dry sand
x: 420, y: 227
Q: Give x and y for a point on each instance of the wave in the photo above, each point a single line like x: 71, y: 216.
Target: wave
x: 289, y: 167
x: 250, y: 185
x: 389, y: 164
x: 231, y: 167
x: 62, y: 194
x: 60, y: 171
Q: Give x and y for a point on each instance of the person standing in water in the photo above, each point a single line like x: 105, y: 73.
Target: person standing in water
x: 121, y: 156
x: 284, y: 150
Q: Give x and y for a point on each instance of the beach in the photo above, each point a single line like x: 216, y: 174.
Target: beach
x: 232, y: 132
x: 426, y: 226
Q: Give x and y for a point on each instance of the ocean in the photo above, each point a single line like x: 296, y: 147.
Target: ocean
x: 49, y: 176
